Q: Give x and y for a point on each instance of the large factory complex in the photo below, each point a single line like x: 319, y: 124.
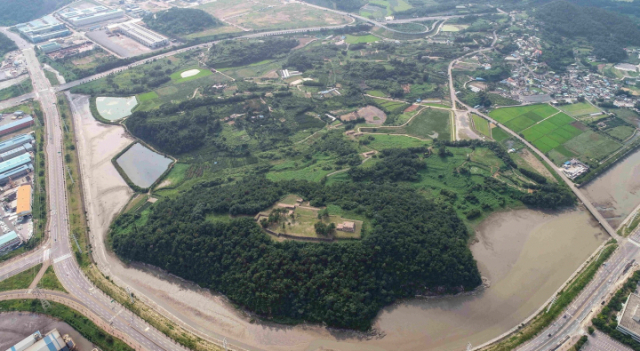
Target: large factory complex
x: 47, y: 28
x: 15, y: 170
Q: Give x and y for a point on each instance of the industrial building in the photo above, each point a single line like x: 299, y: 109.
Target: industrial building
x: 140, y: 34
x: 629, y: 320
x: 15, y: 173
x: 23, y: 197
x: 51, y: 341
x: 15, y: 162
x: 83, y: 17
x: 18, y: 140
x: 9, y: 242
x: 43, y: 29
x: 16, y: 125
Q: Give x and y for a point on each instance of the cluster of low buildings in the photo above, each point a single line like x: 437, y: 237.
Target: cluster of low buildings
x: 51, y: 341
x: 574, y: 168
x: 66, y: 47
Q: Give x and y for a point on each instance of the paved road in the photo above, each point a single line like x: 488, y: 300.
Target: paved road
x: 57, y: 247
x: 571, y: 321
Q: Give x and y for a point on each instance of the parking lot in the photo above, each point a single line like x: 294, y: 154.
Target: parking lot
x: 602, y: 342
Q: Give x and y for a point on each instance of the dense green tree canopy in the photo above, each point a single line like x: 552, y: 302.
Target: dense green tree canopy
x: 414, y: 246
x: 18, y: 11
x: 178, y: 21
x: 607, y: 31
x: 6, y: 45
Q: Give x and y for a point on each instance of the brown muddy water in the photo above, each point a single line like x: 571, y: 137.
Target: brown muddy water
x: 617, y: 191
x: 525, y: 254
x: 15, y: 326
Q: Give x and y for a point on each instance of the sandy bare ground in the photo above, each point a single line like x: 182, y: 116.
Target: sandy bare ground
x: 536, y: 164
x: 463, y: 126
x: 14, y: 81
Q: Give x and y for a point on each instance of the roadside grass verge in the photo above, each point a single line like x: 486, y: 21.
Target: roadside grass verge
x: 53, y: 79
x: 49, y: 281
x: 16, y: 90
x: 158, y: 321
x: 20, y: 280
x: 77, y: 221
x: 75, y: 319
x: 563, y: 299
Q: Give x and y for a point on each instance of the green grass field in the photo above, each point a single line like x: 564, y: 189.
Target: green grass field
x: 356, y: 39
x: 377, y: 93
x: 49, y: 281
x: 177, y: 78
x: 147, y: 96
x: 482, y: 125
x: 382, y: 142
x: 20, y: 280
x: 499, y: 134
x: 579, y: 109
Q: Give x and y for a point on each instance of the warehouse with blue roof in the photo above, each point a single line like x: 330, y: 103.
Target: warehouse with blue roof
x: 9, y: 242
x: 16, y: 125
x: 16, y: 141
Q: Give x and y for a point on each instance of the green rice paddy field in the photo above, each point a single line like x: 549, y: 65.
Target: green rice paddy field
x: 522, y: 117
x: 556, y: 133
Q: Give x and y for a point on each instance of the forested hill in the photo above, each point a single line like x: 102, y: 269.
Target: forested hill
x: 18, y: 11
x: 6, y: 45
x: 180, y: 21
x: 413, y: 244
x: 607, y: 31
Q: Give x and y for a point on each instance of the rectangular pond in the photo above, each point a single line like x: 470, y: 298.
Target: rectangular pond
x: 142, y: 165
x: 114, y: 108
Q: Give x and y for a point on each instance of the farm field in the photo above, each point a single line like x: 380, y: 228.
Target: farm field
x: 382, y: 141
x: 498, y: 134
x: 592, y: 145
x: 356, y: 39
x: 552, y: 132
x: 289, y: 16
x: 522, y: 117
x: 579, y: 109
x: 429, y: 124
x: 482, y: 125
x: 453, y: 27
x: 621, y: 132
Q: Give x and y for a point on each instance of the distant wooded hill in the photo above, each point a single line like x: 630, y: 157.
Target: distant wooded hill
x: 178, y: 21
x: 606, y: 31
x: 18, y: 11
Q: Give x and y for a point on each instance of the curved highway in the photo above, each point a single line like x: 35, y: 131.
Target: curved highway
x: 131, y: 328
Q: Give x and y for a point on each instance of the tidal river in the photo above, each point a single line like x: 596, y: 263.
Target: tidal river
x: 525, y: 254
x: 617, y: 191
